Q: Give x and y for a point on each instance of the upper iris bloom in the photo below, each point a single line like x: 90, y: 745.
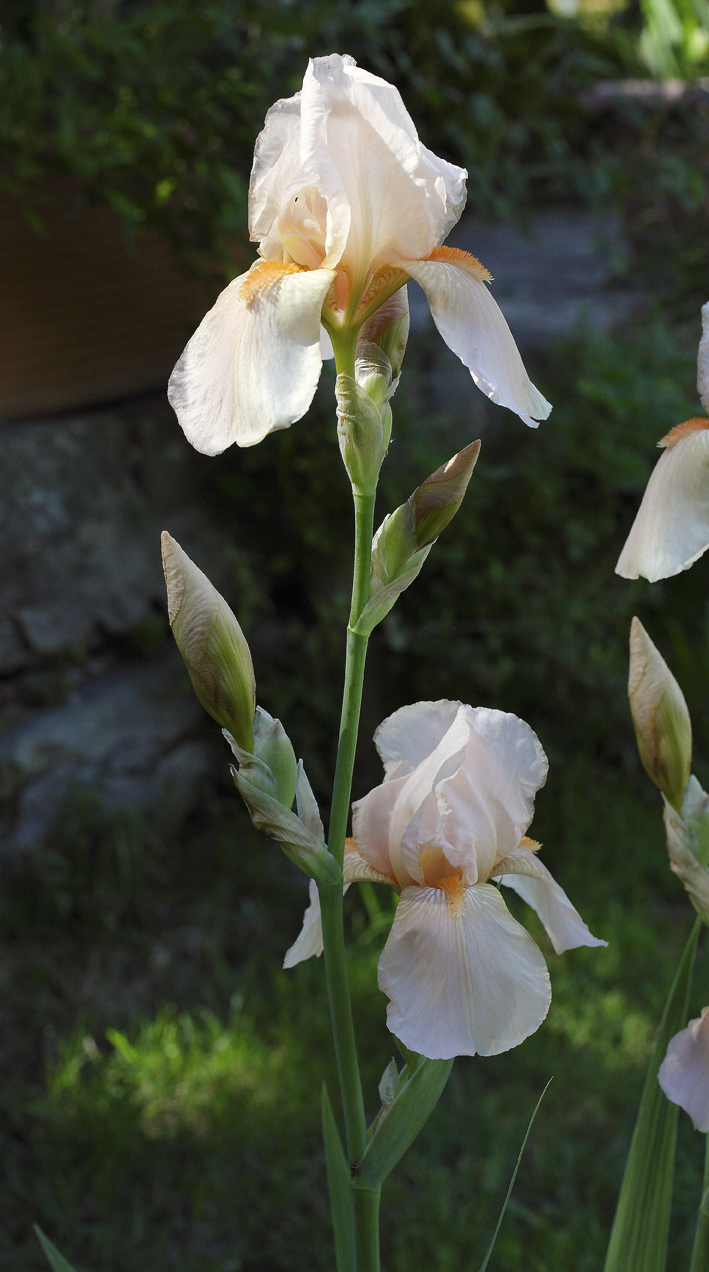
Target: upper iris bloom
x: 346, y: 206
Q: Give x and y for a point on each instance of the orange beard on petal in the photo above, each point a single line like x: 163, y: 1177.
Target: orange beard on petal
x: 464, y: 260
x: 454, y: 889
x: 262, y: 274
x: 679, y: 431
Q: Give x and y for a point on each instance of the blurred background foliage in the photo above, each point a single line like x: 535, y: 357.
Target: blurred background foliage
x: 159, y: 1072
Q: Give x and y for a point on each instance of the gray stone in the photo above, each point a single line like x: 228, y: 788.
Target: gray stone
x: 129, y: 737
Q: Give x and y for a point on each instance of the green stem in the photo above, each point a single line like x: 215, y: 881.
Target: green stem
x: 366, y: 1224
x: 700, y: 1253
x: 366, y: 1210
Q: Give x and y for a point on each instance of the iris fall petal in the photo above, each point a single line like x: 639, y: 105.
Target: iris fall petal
x: 253, y: 364
x: 473, y: 326
x: 462, y: 978
x: 671, y: 530
x: 529, y: 878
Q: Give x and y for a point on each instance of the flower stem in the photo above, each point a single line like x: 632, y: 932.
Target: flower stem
x: 365, y: 1215
x: 366, y: 1209
x: 700, y: 1253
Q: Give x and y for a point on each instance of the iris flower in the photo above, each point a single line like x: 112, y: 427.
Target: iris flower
x: 346, y: 205
x: 684, y: 1072
x: 671, y: 529
x: 446, y: 825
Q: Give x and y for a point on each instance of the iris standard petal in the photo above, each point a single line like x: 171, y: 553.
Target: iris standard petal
x: 404, y: 848
x: 462, y: 977
x: 253, y: 364
x: 403, y: 200
x: 489, y: 801
x: 529, y: 878
x: 671, y: 530
x: 405, y: 738
x: 473, y: 326
x: 684, y: 1072
x: 371, y: 817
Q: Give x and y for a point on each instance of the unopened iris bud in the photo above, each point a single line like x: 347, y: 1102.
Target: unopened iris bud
x: 388, y: 328
x: 439, y: 497
x: 662, y: 725
x: 404, y: 539
x: 212, y: 644
x: 363, y: 432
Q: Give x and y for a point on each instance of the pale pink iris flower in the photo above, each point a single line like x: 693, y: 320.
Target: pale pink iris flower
x: 346, y: 205
x: 684, y: 1072
x: 446, y: 825
x: 671, y: 529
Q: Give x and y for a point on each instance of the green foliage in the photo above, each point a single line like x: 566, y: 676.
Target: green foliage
x: 640, y: 1229
x: 153, y: 107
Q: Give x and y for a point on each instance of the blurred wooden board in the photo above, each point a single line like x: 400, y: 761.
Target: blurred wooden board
x: 86, y: 316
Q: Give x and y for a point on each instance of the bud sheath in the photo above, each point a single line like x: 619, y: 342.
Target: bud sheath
x: 212, y: 644
x: 662, y: 725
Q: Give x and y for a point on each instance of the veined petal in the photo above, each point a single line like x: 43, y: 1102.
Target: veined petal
x: 253, y: 364
x: 371, y: 817
x: 671, y: 530
x: 684, y: 1072
x: 473, y: 326
x: 408, y: 736
x: 403, y: 200
x: 310, y: 941
x: 404, y: 849
x: 463, y: 977
x: 488, y: 803
x: 522, y: 871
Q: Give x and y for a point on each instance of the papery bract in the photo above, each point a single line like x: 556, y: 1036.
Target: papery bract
x: 346, y: 205
x: 449, y: 820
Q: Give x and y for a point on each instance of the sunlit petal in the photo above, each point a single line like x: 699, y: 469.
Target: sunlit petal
x: 522, y: 871
x: 489, y: 801
x: 253, y: 364
x: 684, y: 1072
x: 473, y: 326
x: 461, y: 978
x: 671, y: 530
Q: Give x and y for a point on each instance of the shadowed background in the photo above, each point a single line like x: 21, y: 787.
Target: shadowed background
x: 158, y: 1103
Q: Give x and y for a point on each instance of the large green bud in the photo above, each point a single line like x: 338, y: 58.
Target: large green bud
x: 212, y: 644
x: 662, y: 725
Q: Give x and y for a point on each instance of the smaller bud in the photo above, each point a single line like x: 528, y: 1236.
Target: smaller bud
x: 404, y: 539
x: 662, y: 725
x: 388, y: 327
x: 439, y: 497
x: 362, y: 433
x: 212, y: 644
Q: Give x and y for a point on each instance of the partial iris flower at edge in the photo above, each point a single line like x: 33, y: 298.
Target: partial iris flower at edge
x: 684, y: 1072
x: 671, y: 529
x: 448, y: 822
x: 346, y: 205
